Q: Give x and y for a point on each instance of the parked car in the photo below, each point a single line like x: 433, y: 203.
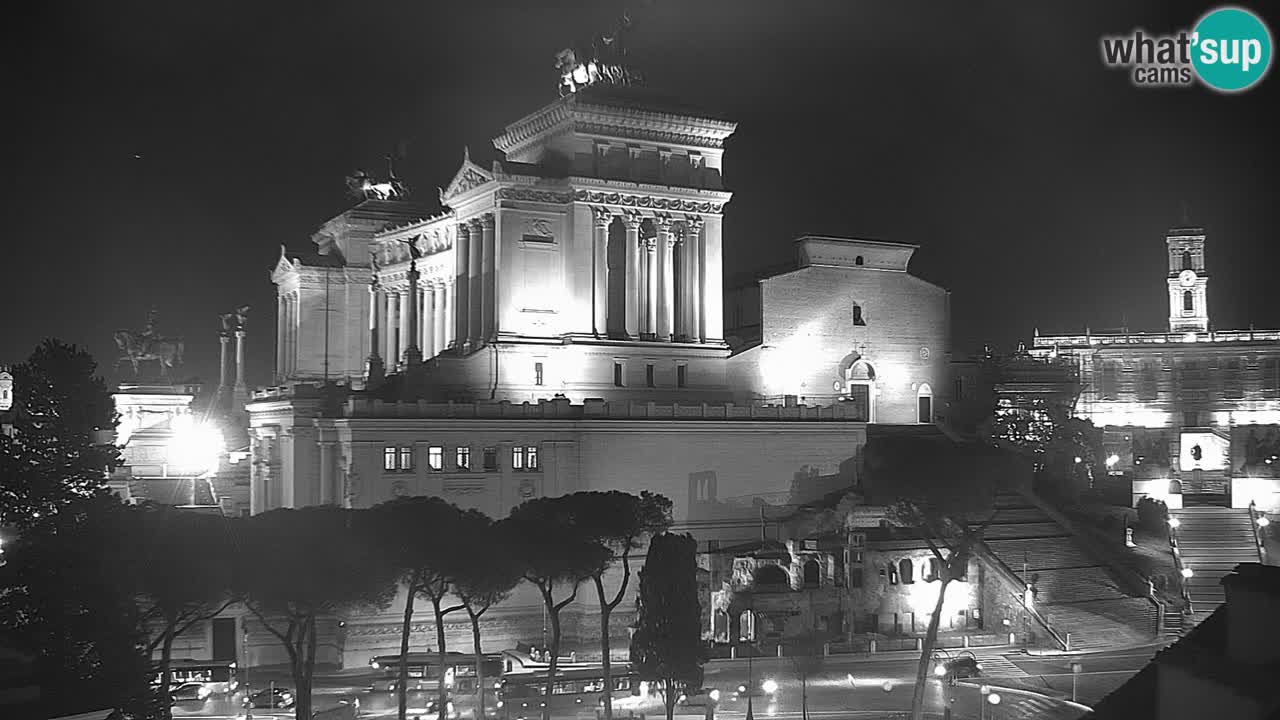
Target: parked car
x: 272, y: 698
x: 702, y: 697
x: 189, y: 692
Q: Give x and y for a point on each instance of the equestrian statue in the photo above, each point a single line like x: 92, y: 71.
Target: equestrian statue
x: 148, y: 345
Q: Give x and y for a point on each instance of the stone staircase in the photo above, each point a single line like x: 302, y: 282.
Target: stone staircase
x: 1212, y: 541
x: 1076, y: 592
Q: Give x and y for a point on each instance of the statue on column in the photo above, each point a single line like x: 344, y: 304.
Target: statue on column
x: 137, y: 347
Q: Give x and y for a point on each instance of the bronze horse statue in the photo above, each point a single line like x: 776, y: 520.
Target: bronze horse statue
x: 138, y: 347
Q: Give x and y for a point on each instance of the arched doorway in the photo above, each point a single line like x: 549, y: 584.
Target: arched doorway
x: 771, y: 575
x: 812, y: 574
x: 860, y: 388
x: 924, y: 404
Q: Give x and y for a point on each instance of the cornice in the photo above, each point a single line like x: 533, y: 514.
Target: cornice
x: 648, y: 202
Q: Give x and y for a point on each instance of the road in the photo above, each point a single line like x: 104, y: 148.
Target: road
x: 844, y: 687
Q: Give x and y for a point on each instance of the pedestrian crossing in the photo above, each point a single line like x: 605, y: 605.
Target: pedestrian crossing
x: 997, y: 665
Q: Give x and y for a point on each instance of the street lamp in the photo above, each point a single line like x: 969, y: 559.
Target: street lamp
x: 1175, y: 523
x: 1076, y: 669
x: 1186, y: 573
x: 1263, y: 521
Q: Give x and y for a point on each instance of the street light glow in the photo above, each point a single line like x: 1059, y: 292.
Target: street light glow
x: 1175, y: 523
x: 994, y: 698
x: 770, y: 686
x: 194, y: 447
x: 1112, y: 459
x: 1263, y: 521
x: 1186, y: 572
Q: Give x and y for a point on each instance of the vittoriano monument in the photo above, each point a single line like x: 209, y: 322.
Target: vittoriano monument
x: 151, y: 355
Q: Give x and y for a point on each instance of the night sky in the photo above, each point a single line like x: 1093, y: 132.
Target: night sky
x: 160, y: 152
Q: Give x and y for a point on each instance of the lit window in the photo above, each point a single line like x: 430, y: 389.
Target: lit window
x: 531, y: 457
x: 517, y: 458
x: 389, y: 459
x: 406, y: 459
x: 435, y: 457
x: 617, y: 374
x: 648, y: 375
x: 682, y: 375
x: 537, y: 373
x: 490, y: 458
x: 462, y: 458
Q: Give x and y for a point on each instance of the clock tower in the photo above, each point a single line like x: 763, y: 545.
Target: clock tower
x: 1188, y: 303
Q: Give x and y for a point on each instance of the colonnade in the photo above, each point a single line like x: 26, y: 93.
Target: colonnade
x: 665, y: 277
x: 429, y: 306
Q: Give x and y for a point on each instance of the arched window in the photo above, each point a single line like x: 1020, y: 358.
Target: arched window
x: 1188, y: 302
x: 906, y: 571
x: 924, y: 404
x: 857, y: 315
x: 1186, y: 260
x: 771, y: 575
x: 893, y: 574
x: 857, y: 260
x: 812, y: 574
x: 935, y: 570
x: 1109, y: 382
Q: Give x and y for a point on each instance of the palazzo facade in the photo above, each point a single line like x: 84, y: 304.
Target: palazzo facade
x: 560, y: 326
x: 1190, y: 410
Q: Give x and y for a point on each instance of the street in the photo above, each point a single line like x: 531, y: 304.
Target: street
x: 844, y: 686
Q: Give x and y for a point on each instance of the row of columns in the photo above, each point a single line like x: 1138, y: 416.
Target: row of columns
x: 475, y: 253
x: 411, y: 316
x: 286, y: 335
x: 654, y: 309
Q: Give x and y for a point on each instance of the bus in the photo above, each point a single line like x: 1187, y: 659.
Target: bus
x: 576, y: 692
x: 217, y: 676
x: 424, y: 672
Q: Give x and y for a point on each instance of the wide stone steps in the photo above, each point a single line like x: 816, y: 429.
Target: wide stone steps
x: 1212, y: 541
x: 1104, y: 623
x: 1068, y: 585
x: 1025, y: 530
x: 1038, y: 555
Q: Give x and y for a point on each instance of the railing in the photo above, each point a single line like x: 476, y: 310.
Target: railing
x: 1185, y: 592
x: 1012, y: 578
x: 1254, y: 517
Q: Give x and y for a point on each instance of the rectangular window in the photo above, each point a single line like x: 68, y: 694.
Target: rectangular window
x: 682, y: 376
x: 531, y: 457
x: 959, y: 389
x: 517, y: 458
x: 617, y: 374
x: 406, y: 459
x: 537, y: 373
x: 648, y: 375
x: 462, y: 458
x: 435, y: 457
x: 490, y: 458
x: 389, y: 459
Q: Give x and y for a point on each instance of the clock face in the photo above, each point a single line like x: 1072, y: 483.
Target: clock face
x: 1187, y: 278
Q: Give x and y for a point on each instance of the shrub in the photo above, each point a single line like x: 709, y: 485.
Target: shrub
x: 1153, y: 515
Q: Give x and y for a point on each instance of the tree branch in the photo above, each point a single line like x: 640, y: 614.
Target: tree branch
x: 573, y: 596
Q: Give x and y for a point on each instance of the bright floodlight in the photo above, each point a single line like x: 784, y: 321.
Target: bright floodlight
x: 1174, y: 523
x: 1078, y: 459
x: 1186, y: 572
x: 769, y: 686
x: 1112, y: 460
x: 994, y: 698
x: 194, y: 447
x: 939, y: 669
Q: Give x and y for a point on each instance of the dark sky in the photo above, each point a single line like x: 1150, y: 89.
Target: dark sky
x: 162, y: 151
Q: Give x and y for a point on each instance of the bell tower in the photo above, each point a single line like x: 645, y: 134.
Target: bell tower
x: 1188, y: 302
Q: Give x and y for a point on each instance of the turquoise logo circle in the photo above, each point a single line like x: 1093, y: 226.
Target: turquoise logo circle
x: 1231, y: 49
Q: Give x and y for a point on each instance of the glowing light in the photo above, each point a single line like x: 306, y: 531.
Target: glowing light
x: 1263, y: 521
x: 714, y: 695
x: 994, y: 698
x: 1112, y: 460
x: 887, y: 686
x: 1078, y: 460
x: 940, y: 670
x: 1175, y: 523
x: 194, y: 447
x: 770, y: 686
x: 1187, y: 573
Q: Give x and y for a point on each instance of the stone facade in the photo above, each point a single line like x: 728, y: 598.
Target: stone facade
x: 1190, y: 410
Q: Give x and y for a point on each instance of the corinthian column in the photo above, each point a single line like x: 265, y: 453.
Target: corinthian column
x: 429, y: 345
x: 600, y: 271
x: 460, y: 298
x: 693, y: 264
x: 488, y: 284
x: 282, y: 319
x: 651, y: 293
x: 635, y: 280
x: 475, y: 305
x: 666, y: 278
x: 374, y: 369
x: 412, y: 353
x: 393, y: 327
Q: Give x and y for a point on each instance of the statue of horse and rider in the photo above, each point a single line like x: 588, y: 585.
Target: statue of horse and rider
x: 149, y: 346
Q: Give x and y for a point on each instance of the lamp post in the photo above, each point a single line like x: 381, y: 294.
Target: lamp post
x: 1076, y: 669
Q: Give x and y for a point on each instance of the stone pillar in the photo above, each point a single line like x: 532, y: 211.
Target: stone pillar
x: 635, y: 280
x: 282, y: 315
x: 412, y: 352
x: 600, y: 271
x: 291, y: 334
x: 223, y: 367
x: 374, y: 369
x: 429, y: 345
x: 693, y: 260
x: 666, y: 278
x: 461, y: 299
x: 393, y: 328
x: 440, y: 311
x: 488, y: 284
x: 651, y: 293
x: 449, y: 315
x: 241, y: 392
x: 712, y: 280
x: 475, y: 293
x: 328, y: 491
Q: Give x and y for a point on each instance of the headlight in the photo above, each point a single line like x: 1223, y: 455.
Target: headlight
x: 769, y: 686
x: 374, y: 664
x: 499, y: 703
x: 742, y: 688
x: 714, y: 695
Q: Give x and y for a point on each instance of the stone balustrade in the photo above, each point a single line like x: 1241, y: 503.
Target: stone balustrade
x: 594, y: 409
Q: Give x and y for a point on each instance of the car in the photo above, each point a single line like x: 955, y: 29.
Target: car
x: 965, y: 666
x: 767, y: 688
x: 272, y: 698
x: 701, y: 697
x: 188, y: 692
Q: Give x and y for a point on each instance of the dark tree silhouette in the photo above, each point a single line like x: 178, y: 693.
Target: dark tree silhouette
x: 553, y: 552
x: 297, y: 567
x: 667, y: 647
x: 484, y: 582
x: 618, y: 522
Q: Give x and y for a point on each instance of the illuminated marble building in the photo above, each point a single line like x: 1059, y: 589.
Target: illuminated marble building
x: 559, y: 325
x: 1191, y: 412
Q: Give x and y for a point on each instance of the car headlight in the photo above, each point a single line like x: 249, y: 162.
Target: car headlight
x: 742, y: 688
x: 769, y: 686
x: 939, y: 669
x: 500, y: 703
x: 374, y: 664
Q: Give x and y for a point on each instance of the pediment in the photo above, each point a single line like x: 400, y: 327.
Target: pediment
x: 284, y: 267
x: 469, y: 177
